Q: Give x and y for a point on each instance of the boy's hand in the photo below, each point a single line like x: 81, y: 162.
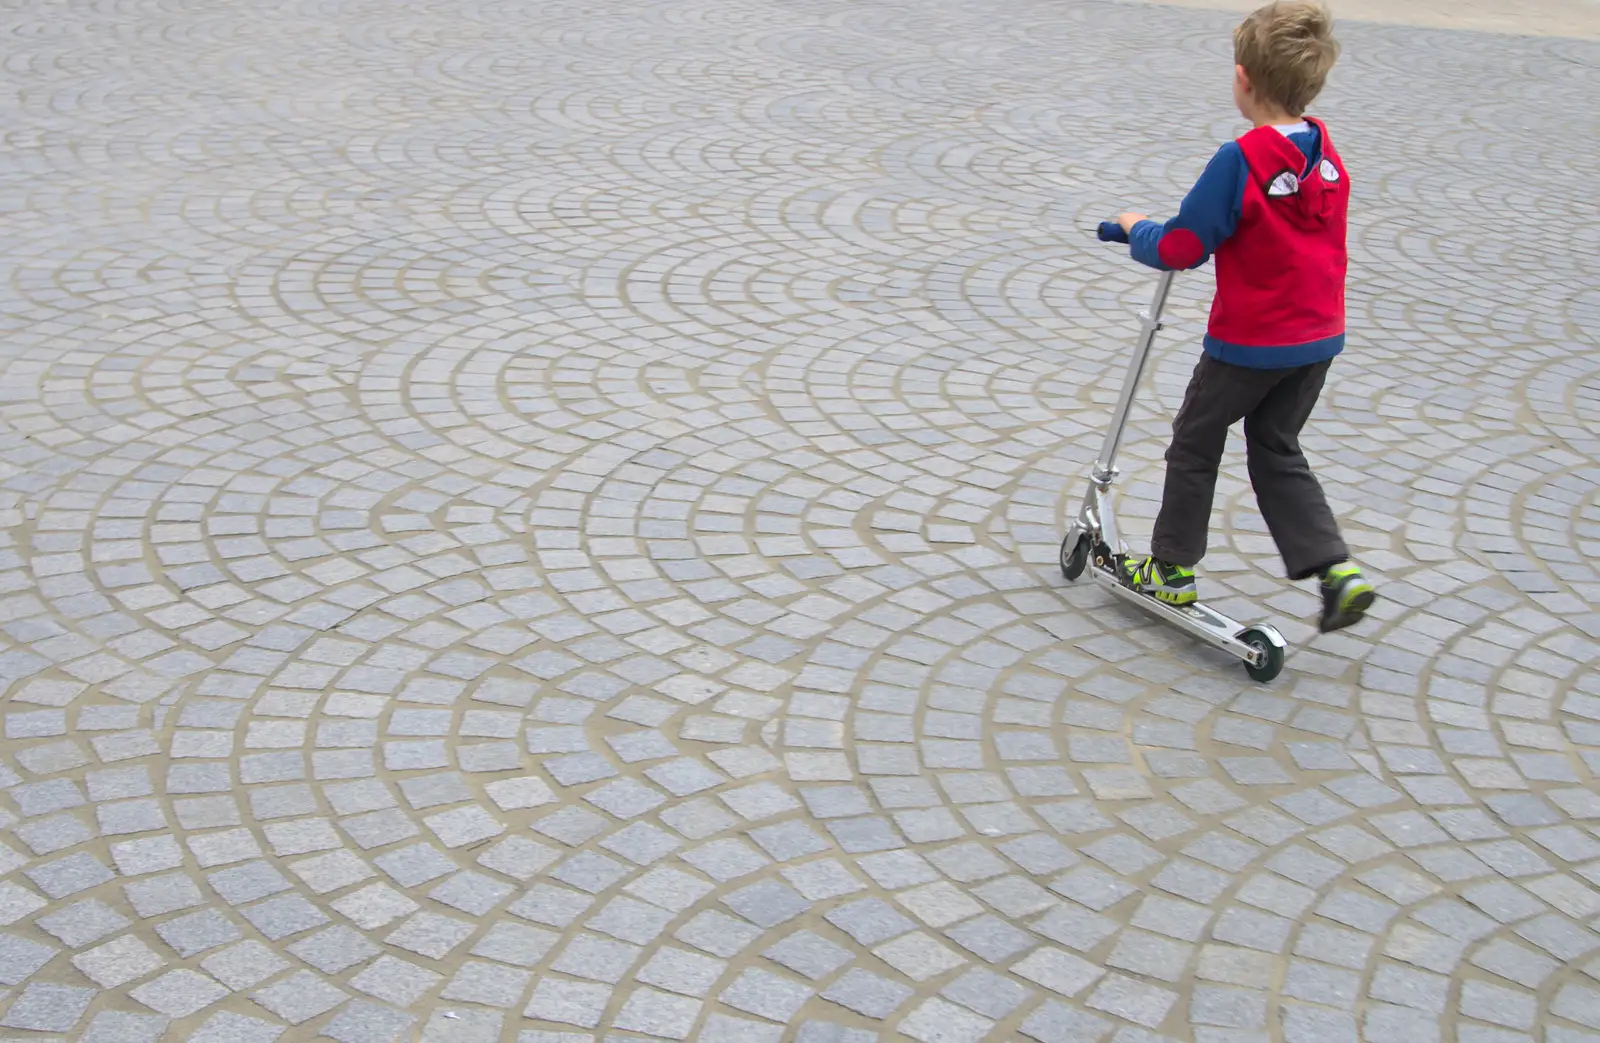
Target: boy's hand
x: 1129, y: 219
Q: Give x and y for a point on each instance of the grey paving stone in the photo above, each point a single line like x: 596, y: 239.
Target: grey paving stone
x: 630, y: 920
x: 395, y: 981
x: 766, y: 994
x: 20, y: 958
x: 516, y: 944
x: 244, y: 965
x: 414, y: 865
x: 867, y: 993
x: 720, y: 1028
x: 828, y: 1032
x: 990, y: 994
x: 678, y: 970
x: 788, y: 841
x: 286, y: 915
x: 472, y: 893
x: 83, y: 922
x: 224, y: 1027
x: 596, y: 958
x: 42, y: 1007
x: 1057, y: 1023
x: 919, y: 956
x: 118, y: 962
x: 334, y: 950
x: 568, y: 1002
x: 69, y: 875
x: 463, y: 1026
x: 113, y: 1026
x: 374, y: 906
x: 936, y: 1019
x: 825, y: 878
x: 490, y: 984
x: 808, y: 954
x: 246, y: 883
x: 429, y: 934
x: 725, y: 860
x: 869, y: 921
x: 767, y: 903
x: 361, y: 1022
x: 572, y: 826
x: 548, y: 904
x: 300, y: 997
x: 1132, y: 1000
x: 990, y: 938
x: 658, y: 1013
x: 197, y: 932
x: 179, y: 993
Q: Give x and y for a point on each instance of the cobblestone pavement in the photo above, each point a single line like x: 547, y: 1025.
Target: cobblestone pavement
x: 535, y: 521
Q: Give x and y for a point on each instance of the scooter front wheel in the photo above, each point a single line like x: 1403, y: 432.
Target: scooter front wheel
x: 1074, y: 554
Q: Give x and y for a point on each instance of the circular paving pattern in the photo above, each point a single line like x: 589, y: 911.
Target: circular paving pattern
x: 536, y: 521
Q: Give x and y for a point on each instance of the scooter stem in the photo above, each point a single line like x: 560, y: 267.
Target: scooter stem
x: 1105, y: 467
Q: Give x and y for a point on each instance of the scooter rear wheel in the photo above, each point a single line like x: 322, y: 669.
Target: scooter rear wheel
x: 1074, y: 555
x: 1271, y: 654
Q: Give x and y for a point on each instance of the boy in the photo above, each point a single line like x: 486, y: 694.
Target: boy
x: 1271, y: 206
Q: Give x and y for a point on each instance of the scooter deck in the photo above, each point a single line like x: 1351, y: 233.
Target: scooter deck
x: 1197, y: 619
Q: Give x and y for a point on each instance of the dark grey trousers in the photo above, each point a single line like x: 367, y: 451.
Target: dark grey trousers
x: 1274, y: 405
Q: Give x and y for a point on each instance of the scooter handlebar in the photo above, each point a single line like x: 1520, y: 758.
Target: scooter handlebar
x: 1111, y: 232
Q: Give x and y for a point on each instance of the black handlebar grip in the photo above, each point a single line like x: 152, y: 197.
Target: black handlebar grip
x: 1111, y: 232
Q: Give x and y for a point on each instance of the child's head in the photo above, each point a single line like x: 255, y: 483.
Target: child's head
x: 1283, y: 52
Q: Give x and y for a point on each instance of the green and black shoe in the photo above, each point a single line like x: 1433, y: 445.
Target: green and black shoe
x: 1170, y: 584
x: 1346, y: 596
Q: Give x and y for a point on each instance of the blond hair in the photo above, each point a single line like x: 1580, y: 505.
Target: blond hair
x: 1287, y: 48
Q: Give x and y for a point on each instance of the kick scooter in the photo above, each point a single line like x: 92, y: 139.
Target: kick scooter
x: 1093, y: 536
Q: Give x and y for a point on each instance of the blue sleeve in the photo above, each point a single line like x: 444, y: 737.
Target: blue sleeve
x: 1207, y: 217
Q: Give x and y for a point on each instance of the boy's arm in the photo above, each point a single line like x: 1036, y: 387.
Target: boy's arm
x: 1207, y: 217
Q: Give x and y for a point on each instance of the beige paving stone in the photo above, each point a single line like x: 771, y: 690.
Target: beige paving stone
x: 1574, y: 18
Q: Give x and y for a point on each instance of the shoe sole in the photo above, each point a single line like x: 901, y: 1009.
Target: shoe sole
x: 1350, y: 614
x: 1165, y: 595
x: 1175, y: 599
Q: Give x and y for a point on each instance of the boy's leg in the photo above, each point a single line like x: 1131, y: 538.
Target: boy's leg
x: 1292, y: 503
x: 1218, y: 396
x: 1291, y: 500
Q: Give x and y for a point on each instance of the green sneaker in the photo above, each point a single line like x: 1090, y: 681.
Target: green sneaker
x: 1171, y: 584
x: 1346, y: 596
